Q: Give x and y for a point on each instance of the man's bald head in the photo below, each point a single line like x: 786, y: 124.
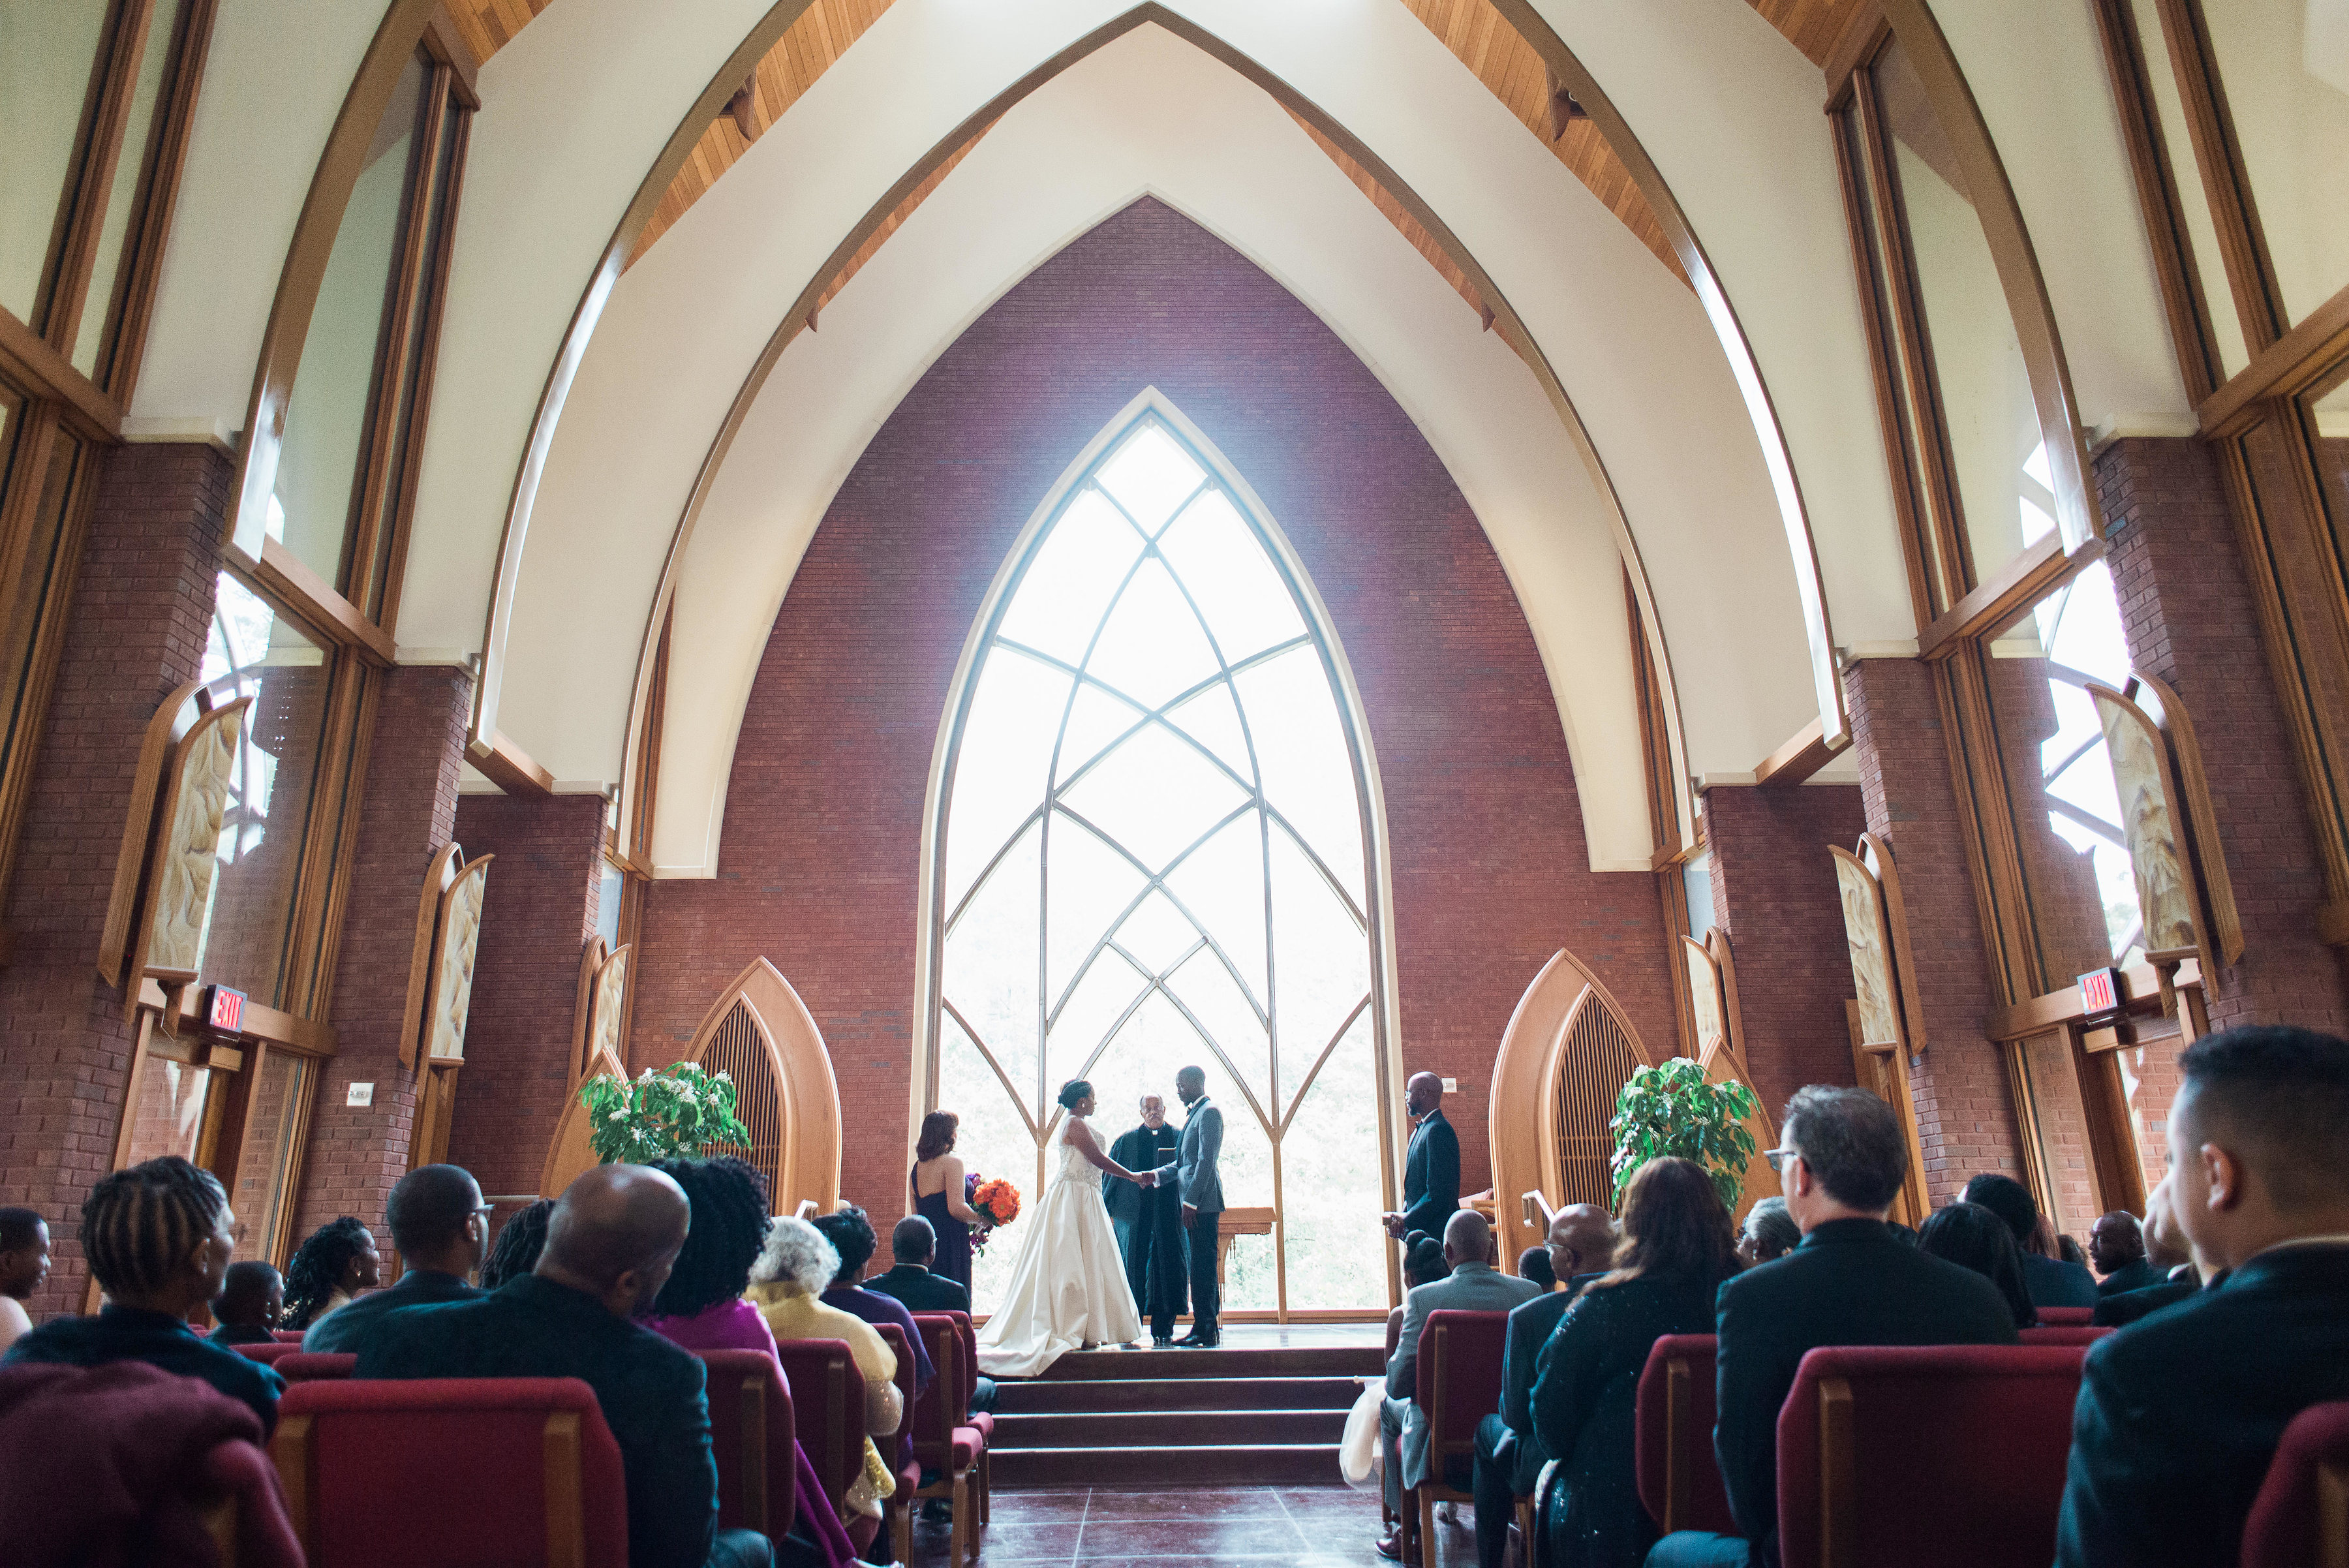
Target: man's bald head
x: 615, y: 1233
x: 1581, y: 1240
x: 1468, y: 1239
x: 1422, y: 1093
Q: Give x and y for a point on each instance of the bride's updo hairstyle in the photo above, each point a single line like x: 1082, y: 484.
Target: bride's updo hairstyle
x: 1071, y: 1091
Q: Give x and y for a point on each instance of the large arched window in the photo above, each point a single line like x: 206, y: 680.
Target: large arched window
x: 1151, y: 850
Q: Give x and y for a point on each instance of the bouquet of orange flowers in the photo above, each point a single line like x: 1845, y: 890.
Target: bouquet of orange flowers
x: 998, y: 1200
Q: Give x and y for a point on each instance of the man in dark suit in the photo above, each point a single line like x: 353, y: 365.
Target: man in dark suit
x: 1199, y: 1185
x: 1431, y: 1167
x: 1841, y: 1160
x: 1149, y: 1221
x: 913, y: 1245
x: 441, y: 1228
x: 1509, y: 1457
x: 610, y: 1245
x: 2052, y: 1282
x: 2179, y: 1414
x: 2116, y: 1248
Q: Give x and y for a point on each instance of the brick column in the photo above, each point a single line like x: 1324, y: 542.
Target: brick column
x: 141, y: 614
x: 1774, y: 890
x: 2190, y: 618
x: 536, y: 918
x: 355, y: 1153
x: 1965, y: 1112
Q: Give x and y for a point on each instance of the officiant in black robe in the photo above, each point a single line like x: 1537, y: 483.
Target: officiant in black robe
x: 1148, y: 1221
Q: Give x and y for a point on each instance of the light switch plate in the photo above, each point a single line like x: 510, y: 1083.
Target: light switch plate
x: 1451, y: 1085
x: 360, y: 1094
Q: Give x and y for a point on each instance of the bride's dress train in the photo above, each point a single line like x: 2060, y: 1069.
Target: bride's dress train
x: 1068, y: 1284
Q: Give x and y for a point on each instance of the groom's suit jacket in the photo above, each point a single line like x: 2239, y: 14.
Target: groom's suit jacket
x: 1194, y: 1158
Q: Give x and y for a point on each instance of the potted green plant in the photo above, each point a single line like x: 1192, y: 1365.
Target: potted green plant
x: 1674, y: 1109
x: 663, y: 1113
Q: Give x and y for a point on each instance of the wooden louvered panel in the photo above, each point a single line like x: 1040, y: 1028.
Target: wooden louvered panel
x: 1596, y: 1056
x: 740, y: 1048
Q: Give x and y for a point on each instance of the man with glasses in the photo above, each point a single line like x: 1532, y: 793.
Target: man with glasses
x: 1851, y: 1281
x: 441, y: 1228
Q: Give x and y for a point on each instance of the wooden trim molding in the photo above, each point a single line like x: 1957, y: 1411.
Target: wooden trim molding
x: 1800, y: 755
x: 2035, y: 573
x: 1865, y: 31
x: 2140, y: 992
x: 2284, y: 369
x: 508, y: 767
x: 28, y: 360
x: 288, y: 577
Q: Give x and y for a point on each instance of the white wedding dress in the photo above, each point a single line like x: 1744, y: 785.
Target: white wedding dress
x: 1068, y: 1285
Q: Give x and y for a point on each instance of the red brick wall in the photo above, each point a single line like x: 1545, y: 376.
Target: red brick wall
x: 1965, y: 1113
x: 143, y: 610
x: 355, y: 1153
x: 536, y: 915
x: 823, y: 826
x: 1774, y: 890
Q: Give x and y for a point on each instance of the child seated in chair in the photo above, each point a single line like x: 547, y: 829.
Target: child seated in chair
x: 249, y: 1305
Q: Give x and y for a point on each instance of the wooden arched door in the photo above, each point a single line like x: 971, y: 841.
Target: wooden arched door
x: 761, y: 1035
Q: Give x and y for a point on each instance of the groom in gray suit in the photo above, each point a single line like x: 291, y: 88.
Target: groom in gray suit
x: 1201, y: 1192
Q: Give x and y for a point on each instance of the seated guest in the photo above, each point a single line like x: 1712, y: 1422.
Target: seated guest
x: 2179, y: 1414
x: 2051, y: 1281
x: 2116, y: 1248
x: 1678, y: 1247
x: 159, y: 1237
x: 520, y: 1240
x: 441, y: 1228
x: 2179, y: 1273
x: 852, y: 1236
x: 1840, y: 1163
x: 2067, y: 1249
x: 329, y: 1270
x: 702, y: 1308
x: 24, y: 1265
x: 249, y: 1305
x: 1422, y: 1264
x: 788, y: 1286
x: 1532, y: 1263
x: 610, y: 1243
x: 1508, y: 1457
x: 1971, y: 1236
x: 1767, y: 1233
x: 1475, y: 1285
x: 912, y: 1247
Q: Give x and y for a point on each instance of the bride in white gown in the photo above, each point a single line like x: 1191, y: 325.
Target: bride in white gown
x: 1068, y: 1288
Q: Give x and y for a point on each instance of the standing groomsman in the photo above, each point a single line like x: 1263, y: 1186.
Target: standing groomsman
x: 1149, y: 1221
x: 1431, y: 1171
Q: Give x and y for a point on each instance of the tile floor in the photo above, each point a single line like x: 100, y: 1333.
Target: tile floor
x: 1315, y: 1527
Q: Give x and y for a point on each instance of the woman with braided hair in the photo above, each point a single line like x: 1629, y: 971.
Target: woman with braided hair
x: 158, y: 1238
x: 334, y: 1265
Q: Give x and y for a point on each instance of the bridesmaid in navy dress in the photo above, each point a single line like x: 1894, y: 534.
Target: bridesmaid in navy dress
x: 939, y: 1195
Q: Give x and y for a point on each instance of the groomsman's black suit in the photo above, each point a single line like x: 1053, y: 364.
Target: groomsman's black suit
x: 2180, y: 1414
x: 1148, y: 1221
x: 1430, y: 1177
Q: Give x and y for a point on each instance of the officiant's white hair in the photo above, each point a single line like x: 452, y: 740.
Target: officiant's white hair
x: 796, y: 1253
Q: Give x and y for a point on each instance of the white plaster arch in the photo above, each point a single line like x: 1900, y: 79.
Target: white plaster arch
x: 1154, y: 114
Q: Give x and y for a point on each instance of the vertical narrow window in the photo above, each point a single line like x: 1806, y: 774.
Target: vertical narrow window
x: 1152, y: 852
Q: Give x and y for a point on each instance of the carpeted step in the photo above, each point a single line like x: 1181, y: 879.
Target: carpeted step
x: 1285, y: 1464
x: 1126, y: 1365
x: 1169, y: 1429
x: 1039, y: 1395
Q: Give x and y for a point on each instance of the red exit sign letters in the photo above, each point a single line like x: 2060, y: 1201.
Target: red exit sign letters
x: 226, y: 1010
x: 2100, y: 990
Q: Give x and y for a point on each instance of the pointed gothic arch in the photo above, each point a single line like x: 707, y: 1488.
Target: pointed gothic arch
x: 1147, y: 796
x: 762, y: 1035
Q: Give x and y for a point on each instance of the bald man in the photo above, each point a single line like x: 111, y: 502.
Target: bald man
x: 1431, y: 1169
x: 610, y: 1243
x: 1475, y: 1285
x: 1509, y: 1457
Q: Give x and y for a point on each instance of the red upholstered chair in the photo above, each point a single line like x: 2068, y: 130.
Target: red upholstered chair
x: 827, y: 1409
x: 303, y: 1368
x: 2300, y: 1517
x: 1928, y: 1456
x: 2064, y: 1334
x: 752, y: 1435
x: 897, y: 1447
x: 1679, y: 1477
x: 1459, y: 1384
x: 980, y: 1422
x: 286, y: 1335
x: 2066, y: 1317
x: 272, y: 1353
x: 942, y: 1441
x: 368, y: 1470
x: 246, y: 1517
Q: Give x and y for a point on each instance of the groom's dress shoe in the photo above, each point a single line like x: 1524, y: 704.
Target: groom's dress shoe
x: 1193, y: 1341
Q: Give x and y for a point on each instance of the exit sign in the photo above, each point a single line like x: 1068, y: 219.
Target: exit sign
x: 225, y: 1010
x: 2100, y: 990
